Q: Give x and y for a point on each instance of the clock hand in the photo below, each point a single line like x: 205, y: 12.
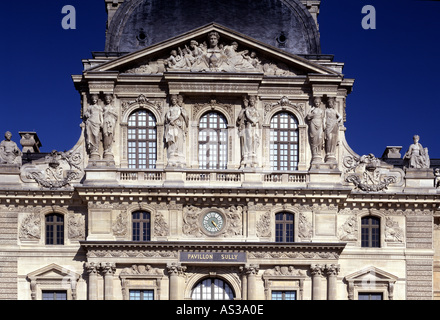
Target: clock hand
x: 214, y: 224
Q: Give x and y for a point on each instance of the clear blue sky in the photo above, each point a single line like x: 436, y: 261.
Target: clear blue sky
x: 396, y: 69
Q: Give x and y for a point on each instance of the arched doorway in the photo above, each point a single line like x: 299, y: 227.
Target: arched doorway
x: 212, y: 289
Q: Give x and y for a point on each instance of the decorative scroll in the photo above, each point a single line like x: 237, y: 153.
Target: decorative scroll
x: 367, y: 173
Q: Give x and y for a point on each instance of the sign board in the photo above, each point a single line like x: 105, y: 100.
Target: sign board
x: 213, y: 257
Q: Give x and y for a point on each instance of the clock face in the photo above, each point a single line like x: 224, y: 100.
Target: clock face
x: 213, y: 222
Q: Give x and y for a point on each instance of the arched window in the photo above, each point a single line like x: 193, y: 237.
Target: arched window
x: 370, y: 232
x: 142, y: 140
x: 54, y: 229
x: 213, y: 141
x: 212, y: 289
x: 284, y: 227
x: 284, y: 142
x: 141, y: 226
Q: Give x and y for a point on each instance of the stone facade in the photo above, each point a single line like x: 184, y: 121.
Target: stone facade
x: 192, y: 152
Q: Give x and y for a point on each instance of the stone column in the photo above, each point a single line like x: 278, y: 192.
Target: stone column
x: 175, y: 270
x: 109, y: 270
x: 332, y: 271
x: 252, y: 271
x: 244, y: 284
x: 316, y: 271
x: 92, y: 269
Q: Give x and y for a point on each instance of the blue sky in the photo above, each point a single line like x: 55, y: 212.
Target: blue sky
x: 395, y: 67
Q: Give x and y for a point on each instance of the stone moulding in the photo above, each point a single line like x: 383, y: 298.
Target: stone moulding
x: 170, y: 250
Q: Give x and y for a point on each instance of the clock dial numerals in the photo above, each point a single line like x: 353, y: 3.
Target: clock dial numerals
x: 213, y: 222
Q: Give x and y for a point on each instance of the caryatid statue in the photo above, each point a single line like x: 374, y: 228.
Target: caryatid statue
x: 110, y: 116
x: 248, y: 124
x: 9, y: 152
x: 315, y: 119
x: 176, y: 125
x: 93, y: 117
x: 332, y: 120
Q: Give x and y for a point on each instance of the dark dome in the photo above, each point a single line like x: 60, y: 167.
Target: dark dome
x: 286, y: 24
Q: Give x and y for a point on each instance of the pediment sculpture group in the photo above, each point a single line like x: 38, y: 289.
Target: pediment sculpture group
x: 213, y: 56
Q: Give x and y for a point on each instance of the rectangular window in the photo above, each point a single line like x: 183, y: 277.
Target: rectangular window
x: 141, y: 226
x: 54, y: 295
x: 141, y: 294
x: 283, y: 295
x: 370, y: 296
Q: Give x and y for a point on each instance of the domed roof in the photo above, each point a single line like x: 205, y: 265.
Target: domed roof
x: 286, y: 24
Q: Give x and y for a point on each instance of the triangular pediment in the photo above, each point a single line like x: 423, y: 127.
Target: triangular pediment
x: 53, y: 271
x: 370, y: 275
x: 195, y: 52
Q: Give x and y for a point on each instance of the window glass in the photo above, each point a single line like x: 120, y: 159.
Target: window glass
x: 142, y: 140
x: 54, y: 229
x: 283, y: 295
x: 213, y: 141
x: 370, y: 232
x: 283, y: 151
x: 370, y: 296
x: 141, y: 294
x: 54, y: 295
x: 212, y: 289
x: 284, y: 231
x: 141, y: 226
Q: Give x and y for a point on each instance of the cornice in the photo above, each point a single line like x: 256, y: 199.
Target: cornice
x: 204, y: 245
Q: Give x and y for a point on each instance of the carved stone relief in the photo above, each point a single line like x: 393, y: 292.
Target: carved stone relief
x: 30, y: 228
x: 285, y: 271
x: 141, y: 270
x: 120, y: 225
x: 214, y: 105
x: 142, y: 102
x: 233, y: 215
x: 349, y: 230
x: 305, y: 228
x: 393, y: 233
x: 56, y: 170
x: 264, y: 229
x: 284, y: 104
x: 161, y: 228
x: 76, y: 227
x: 368, y: 173
x: 213, y: 56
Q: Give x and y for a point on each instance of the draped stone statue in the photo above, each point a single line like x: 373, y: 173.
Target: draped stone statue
x: 176, y: 124
x: 332, y: 121
x: 248, y: 124
x: 315, y: 119
x: 94, y: 119
x: 417, y: 156
x: 9, y: 151
x: 110, y: 116
x: 214, y: 58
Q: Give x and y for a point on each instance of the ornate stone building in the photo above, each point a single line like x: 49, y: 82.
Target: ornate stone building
x: 213, y: 164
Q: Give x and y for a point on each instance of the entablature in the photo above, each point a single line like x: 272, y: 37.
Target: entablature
x: 258, y: 252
